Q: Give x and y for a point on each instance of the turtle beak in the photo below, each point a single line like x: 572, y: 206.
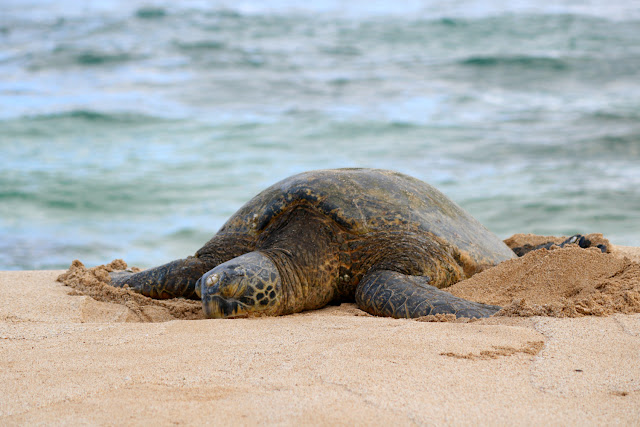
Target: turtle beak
x: 198, y: 285
x: 216, y: 307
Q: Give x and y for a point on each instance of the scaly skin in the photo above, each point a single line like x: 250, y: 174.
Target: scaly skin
x: 246, y: 285
x: 392, y: 294
x: 178, y: 278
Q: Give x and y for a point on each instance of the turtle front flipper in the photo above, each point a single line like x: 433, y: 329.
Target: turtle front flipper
x: 392, y: 294
x: 174, y: 279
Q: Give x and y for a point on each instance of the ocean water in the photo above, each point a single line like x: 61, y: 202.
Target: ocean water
x: 133, y: 129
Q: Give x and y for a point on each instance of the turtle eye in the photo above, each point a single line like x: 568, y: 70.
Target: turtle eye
x: 228, y: 290
x: 231, y: 288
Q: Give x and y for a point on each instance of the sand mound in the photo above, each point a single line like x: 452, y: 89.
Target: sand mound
x: 94, y: 283
x: 530, y: 241
x: 567, y: 282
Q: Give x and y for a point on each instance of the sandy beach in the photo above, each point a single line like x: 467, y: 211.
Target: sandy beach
x: 309, y: 152
x: 67, y: 358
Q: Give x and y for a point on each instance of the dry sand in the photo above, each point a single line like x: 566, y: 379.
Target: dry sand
x: 68, y: 358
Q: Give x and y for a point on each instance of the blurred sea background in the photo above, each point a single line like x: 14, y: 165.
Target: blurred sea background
x: 134, y: 129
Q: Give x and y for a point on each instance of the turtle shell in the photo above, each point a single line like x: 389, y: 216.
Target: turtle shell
x: 364, y: 201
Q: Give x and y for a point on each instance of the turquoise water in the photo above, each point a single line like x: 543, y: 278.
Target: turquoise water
x: 134, y: 129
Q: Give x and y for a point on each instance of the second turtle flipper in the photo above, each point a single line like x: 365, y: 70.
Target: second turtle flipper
x: 577, y: 239
x: 392, y: 294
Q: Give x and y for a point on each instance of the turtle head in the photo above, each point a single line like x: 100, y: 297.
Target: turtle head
x: 248, y: 285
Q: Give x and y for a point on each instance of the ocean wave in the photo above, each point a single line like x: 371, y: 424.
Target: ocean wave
x: 93, y: 116
x: 74, y: 122
x: 199, y: 45
x: 101, y: 58
x: 610, y: 115
x: 516, y: 61
x: 65, y: 55
x: 150, y: 12
x: 610, y: 146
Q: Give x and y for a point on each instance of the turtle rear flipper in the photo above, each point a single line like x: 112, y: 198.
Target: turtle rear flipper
x: 576, y: 239
x: 392, y: 294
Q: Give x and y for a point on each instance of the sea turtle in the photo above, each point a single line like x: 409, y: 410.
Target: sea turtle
x: 386, y: 240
